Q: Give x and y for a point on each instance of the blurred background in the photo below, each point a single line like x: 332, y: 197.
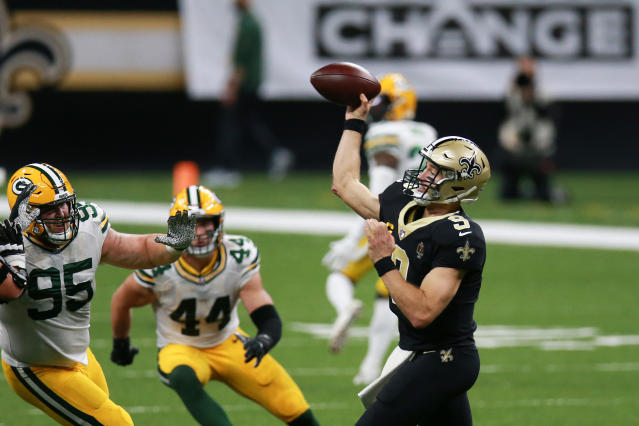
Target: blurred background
x: 115, y: 93
x: 139, y: 82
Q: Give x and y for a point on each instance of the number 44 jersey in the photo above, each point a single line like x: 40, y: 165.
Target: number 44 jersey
x: 200, y: 308
x: 49, y: 324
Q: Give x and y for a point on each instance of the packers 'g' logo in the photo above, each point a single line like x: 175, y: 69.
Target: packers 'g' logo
x: 41, y: 50
x: 471, y: 167
x: 20, y: 184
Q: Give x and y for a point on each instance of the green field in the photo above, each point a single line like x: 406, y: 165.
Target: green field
x: 574, y: 369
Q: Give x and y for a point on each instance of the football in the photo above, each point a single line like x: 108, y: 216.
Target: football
x: 342, y: 82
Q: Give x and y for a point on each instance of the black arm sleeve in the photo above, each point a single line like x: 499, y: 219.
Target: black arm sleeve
x: 268, y: 322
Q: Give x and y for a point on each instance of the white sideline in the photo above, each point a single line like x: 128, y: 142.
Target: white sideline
x: 337, y: 223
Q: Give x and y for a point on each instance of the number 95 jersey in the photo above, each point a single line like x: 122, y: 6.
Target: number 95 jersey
x: 49, y: 324
x: 200, y: 308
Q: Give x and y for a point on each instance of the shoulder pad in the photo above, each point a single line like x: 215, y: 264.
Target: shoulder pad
x: 242, y: 250
x: 147, y: 277
x: 93, y: 213
x: 455, y: 229
x: 381, y: 137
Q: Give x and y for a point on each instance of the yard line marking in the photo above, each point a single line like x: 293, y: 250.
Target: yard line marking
x: 500, y: 336
x: 555, y: 402
x: 328, y: 222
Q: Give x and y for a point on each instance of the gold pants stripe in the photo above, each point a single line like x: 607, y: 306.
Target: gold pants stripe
x: 48, y: 397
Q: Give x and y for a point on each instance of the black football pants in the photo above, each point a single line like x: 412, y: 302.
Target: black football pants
x: 428, y: 390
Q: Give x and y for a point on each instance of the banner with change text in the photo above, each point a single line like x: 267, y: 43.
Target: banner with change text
x: 449, y: 49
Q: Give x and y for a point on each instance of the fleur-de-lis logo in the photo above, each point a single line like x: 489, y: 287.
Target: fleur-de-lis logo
x: 465, y: 251
x: 446, y: 355
x: 41, y: 50
x: 470, y: 167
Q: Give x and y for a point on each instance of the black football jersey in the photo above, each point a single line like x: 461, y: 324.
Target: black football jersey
x: 421, y: 244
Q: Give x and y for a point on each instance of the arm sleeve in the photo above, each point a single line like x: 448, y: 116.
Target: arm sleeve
x: 268, y: 322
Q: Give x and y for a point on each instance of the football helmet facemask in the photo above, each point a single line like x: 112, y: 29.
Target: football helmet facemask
x: 52, y: 191
x: 202, y: 203
x: 396, y: 99
x: 463, y: 170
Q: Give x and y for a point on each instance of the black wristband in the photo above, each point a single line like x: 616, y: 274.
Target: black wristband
x: 268, y: 322
x: 356, y: 125
x: 384, y: 265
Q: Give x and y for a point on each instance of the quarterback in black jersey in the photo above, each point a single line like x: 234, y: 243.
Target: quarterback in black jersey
x: 430, y: 255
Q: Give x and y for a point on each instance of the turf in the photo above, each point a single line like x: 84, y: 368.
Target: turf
x: 594, y: 198
x: 580, y: 380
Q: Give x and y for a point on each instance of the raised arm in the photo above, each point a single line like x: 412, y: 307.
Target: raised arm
x: 146, y: 251
x: 347, y: 163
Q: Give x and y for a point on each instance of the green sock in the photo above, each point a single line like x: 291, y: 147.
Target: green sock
x: 306, y: 419
x: 201, y: 406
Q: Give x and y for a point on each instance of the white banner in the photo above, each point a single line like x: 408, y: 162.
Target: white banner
x: 448, y: 49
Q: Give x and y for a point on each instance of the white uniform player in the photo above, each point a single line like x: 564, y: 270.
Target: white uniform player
x: 44, y: 334
x: 49, y: 325
x: 198, y: 335
x: 391, y: 146
x: 196, y: 310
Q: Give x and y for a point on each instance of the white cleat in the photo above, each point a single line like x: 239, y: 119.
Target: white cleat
x: 339, y: 332
x: 366, y: 376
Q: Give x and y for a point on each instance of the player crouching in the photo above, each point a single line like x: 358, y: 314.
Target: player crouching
x: 195, y: 303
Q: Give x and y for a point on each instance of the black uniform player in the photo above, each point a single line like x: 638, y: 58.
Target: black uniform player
x: 431, y: 262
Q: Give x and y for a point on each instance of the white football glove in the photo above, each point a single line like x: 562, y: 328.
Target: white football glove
x: 20, y: 213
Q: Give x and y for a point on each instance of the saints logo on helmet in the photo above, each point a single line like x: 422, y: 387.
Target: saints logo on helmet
x: 202, y: 203
x: 58, y: 221
x: 463, y: 169
x: 396, y: 100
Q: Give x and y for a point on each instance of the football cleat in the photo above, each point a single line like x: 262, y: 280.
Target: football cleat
x: 339, y: 331
x: 463, y: 171
x: 366, y: 375
x: 202, y: 203
x: 53, y: 192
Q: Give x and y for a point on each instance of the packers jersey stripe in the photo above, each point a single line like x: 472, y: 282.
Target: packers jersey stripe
x: 105, y: 224
x: 381, y: 141
x: 250, y: 268
x: 257, y: 257
x: 144, y: 277
x: 51, y: 399
x: 52, y: 175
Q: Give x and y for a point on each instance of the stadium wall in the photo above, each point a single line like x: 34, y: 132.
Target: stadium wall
x: 151, y: 130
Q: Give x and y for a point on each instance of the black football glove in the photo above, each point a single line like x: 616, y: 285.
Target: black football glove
x: 123, y: 353
x: 255, y: 347
x: 12, y: 252
x: 181, y: 230
x: 19, y: 213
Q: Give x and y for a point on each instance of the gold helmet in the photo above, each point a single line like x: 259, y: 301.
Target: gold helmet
x: 463, y: 171
x: 202, y: 203
x: 52, y: 191
x: 396, y: 100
